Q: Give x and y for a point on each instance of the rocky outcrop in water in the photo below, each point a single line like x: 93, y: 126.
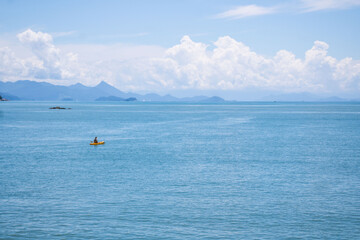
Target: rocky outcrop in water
x: 57, y: 107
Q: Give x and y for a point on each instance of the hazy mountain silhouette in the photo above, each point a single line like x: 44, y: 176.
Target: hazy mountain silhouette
x: 302, y: 97
x: 213, y: 99
x: 9, y: 96
x: 43, y: 91
x: 113, y: 98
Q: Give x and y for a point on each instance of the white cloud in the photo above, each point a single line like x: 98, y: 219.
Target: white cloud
x: 33, y: 55
x: 112, y: 52
x: 231, y: 65
x: 10, y: 65
x: 227, y: 64
x: 311, y: 5
x: 246, y: 11
x: 53, y: 64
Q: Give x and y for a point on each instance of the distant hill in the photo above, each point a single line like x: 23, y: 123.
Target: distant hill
x: 31, y: 90
x: 43, y: 91
x: 194, y: 99
x: 157, y: 98
x: 213, y: 99
x: 9, y: 96
x: 296, y: 97
x: 113, y: 98
x: 333, y: 99
x: 302, y: 97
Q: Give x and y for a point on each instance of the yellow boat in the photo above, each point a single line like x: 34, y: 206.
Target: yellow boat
x: 98, y: 143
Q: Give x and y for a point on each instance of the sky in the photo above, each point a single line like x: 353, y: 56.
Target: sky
x: 185, y: 47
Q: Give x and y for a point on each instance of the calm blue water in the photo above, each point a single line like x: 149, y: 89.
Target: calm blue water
x: 180, y: 171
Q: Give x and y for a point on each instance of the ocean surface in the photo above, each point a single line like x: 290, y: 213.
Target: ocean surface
x: 248, y: 170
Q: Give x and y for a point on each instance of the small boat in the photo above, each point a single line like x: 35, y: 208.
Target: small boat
x: 98, y: 143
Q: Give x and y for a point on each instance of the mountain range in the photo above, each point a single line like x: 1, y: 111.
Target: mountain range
x: 43, y: 91
x: 302, y: 97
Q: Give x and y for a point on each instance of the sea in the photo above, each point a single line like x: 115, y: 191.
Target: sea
x: 242, y: 170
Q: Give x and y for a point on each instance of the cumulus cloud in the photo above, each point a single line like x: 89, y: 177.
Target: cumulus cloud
x: 48, y: 61
x: 231, y: 65
x: 246, y: 11
x: 226, y: 64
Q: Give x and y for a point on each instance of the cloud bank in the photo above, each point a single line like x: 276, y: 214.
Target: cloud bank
x: 47, y: 61
x: 227, y: 64
x: 231, y: 65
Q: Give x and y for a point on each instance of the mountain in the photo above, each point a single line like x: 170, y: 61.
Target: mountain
x: 43, y: 91
x: 9, y: 96
x: 213, y: 99
x: 292, y: 97
x: 80, y: 92
x: 333, y: 99
x: 113, y: 98
x: 108, y: 89
x: 153, y: 97
x: 29, y: 90
x: 194, y: 99
x: 303, y: 97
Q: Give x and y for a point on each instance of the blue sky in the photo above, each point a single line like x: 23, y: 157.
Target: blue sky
x: 165, y: 22
x: 122, y: 31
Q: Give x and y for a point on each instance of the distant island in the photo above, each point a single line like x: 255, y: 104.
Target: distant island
x: 59, y: 108
x: 3, y: 99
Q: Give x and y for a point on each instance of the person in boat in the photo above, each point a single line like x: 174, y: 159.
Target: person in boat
x: 95, y: 140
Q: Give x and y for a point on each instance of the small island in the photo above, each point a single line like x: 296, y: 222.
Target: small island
x: 57, y: 107
x: 3, y: 99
